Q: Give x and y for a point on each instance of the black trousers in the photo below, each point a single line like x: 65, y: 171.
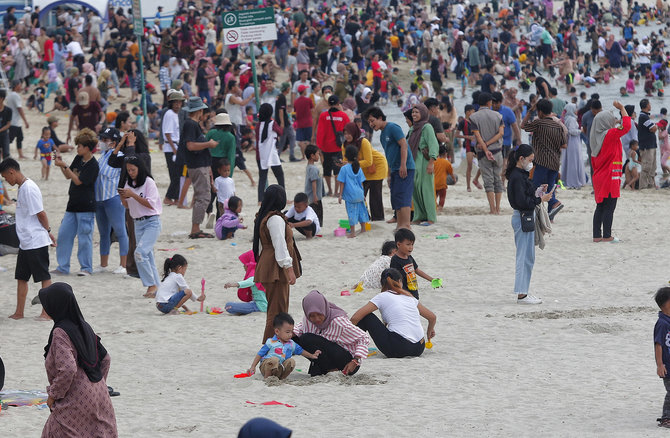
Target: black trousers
x: 390, y: 343
x: 263, y: 179
x: 318, y: 209
x: 376, y: 204
x: 603, y: 217
x: 174, y: 171
x: 332, y: 357
x: 303, y: 230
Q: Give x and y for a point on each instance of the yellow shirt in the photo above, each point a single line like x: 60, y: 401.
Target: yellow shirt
x: 395, y: 42
x: 372, y: 161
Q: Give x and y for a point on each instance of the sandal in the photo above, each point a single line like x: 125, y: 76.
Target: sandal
x: 200, y: 235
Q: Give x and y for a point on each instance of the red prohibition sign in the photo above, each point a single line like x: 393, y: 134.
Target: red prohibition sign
x: 232, y: 36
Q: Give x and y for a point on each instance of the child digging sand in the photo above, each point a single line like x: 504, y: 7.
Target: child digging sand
x: 275, y: 354
x: 371, y: 276
x: 173, y: 290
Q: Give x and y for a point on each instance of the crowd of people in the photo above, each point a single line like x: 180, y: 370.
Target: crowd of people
x: 333, y: 78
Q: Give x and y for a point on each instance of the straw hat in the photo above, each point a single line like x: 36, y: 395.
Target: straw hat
x: 222, y: 119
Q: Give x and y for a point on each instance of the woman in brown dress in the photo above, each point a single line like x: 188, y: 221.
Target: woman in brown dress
x: 276, y: 254
x: 77, y: 366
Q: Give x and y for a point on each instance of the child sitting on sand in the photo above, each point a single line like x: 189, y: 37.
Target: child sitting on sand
x: 229, y: 221
x: 371, y: 276
x: 224, y: 186
x: 275, y: 354
x: 405, y: 263
x: 662, y: 349
x: 351, y: 180
x: 252, y: 294
x: 302, y: 217
x: 173, y: 290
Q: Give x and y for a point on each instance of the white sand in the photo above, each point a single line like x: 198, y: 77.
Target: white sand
x: 581, y: 364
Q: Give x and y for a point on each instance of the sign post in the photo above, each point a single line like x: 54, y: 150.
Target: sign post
x: 249, y: 26
x: 138, y: 30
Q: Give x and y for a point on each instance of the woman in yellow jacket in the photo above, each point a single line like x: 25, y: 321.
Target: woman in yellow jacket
x: 374, y: 165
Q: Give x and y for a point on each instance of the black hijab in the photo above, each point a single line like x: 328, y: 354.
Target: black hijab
x: 274, y: 199
x: 60, y: 304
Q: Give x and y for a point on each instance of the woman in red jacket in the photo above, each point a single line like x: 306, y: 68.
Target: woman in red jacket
x: 606, y: 162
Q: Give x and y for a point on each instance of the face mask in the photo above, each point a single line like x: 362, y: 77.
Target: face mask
x: 528, y: 166
x: 102, y: 146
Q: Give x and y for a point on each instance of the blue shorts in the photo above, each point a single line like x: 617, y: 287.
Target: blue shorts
x: 357, y: 213
x: 402, y: 189
x: 303, y: 134
x: 172, y: 302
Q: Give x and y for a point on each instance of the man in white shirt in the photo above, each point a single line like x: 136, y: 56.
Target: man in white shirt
x: 74, y: 48
x: 643, y: 52
x: 34, y: 233
x: 170, y: 131
x: 14, y: 102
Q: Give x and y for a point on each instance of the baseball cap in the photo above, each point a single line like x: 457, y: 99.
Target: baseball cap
x: 111, y: 133
x: 285, y: 86
x: 83, y: 98
x: 52, y: 119
x: 333, y: 100
x: 302, y: 88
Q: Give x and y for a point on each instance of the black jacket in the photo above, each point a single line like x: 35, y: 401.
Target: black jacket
x: 521, y: 191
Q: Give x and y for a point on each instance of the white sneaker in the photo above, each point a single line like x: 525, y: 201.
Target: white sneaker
x: 120, y: 270
x: 99, y: 269
x: 529, y: 299
x: 83, y: 274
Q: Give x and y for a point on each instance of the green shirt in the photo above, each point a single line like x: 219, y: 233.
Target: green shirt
x: 258, y: 295
x: 226, y: 147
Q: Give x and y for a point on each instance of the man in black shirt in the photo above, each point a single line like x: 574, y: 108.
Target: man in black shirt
x: 488, y: 81
x: 5, y: 123
x: 9, y: 20
x: 281, y: 116
x: 198, y: 161
x: 646, y: 134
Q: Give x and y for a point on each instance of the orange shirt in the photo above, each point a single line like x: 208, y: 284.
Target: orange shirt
x: 395, y: 42
x: 442, y: 168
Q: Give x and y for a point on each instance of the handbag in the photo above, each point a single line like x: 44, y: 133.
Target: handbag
x: 527, y: 221
x: 339, y: 135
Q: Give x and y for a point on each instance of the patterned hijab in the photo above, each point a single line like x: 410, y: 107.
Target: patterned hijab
x: 417, y: 127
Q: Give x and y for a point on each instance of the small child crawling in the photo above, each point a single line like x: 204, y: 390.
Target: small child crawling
x: 371, y: 276
x: 275, y: 354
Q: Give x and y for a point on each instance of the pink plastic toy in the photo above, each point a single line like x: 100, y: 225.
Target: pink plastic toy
x: 345, y: 293
x: 340, y: 232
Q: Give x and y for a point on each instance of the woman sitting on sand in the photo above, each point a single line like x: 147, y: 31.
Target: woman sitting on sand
x: 77, y: 365
x: 403, y: 334
x: 326, y: 327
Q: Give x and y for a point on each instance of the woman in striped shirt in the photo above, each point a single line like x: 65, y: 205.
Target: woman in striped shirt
x: 326, y: 327
x: 109, y: 211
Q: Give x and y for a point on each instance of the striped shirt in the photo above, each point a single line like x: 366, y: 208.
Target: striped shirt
x: 549, y: 135
x: 108, y: 179
x: 342, y: 332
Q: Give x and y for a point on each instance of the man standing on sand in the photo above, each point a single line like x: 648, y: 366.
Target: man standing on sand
x: 489, y: 129
x: 549, y: 138
x: 646, y: 136
x: 34, y: 233
x: 401, y: 165
x: 15, y: 103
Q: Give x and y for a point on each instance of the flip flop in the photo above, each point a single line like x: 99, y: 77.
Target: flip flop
x: 113, y: 393
x: 425, y: 224
x: 200, y: 235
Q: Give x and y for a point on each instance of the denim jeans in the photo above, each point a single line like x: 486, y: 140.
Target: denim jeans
x: 146, y: 235
x: 525, y: 255
x: 238, y: 308
x: 110, y: 214
x: 79, y: 225
x: 543, y: 175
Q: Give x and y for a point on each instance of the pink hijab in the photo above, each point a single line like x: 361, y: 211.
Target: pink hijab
x: 315, y: 302
x: 249, y: 263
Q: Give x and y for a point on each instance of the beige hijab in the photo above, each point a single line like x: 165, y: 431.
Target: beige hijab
x: 603, y: 122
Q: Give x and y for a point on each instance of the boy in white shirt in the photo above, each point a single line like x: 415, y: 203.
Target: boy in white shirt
x: 302, y: 217
x: 224, y: 186
x: 34, y: 233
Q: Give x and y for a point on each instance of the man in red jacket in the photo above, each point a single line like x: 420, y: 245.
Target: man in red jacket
x: 330, y: 122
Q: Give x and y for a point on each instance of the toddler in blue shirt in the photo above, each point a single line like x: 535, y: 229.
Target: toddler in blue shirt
x: 276, y: 354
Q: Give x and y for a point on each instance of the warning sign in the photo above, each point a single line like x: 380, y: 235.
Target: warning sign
x: 248, y: 26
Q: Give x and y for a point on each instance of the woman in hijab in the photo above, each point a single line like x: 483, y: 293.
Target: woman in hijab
x: 21, y: 63
x: 605, y: 141
x: 614, y: 53
x: 572, y: 165
x: 77, y: 365
x: 267, y: 156
x: 302, y: 57
x: 374, y: 165
x: 326, y: 327
x: 424, y: 147
x: 275, y: 252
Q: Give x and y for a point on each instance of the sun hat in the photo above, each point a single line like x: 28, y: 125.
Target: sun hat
x: 222, y: 119
x: 195, y: 104
x: 175, y: 95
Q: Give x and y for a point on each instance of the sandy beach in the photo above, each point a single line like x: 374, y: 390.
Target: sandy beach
x: 579, y: 365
